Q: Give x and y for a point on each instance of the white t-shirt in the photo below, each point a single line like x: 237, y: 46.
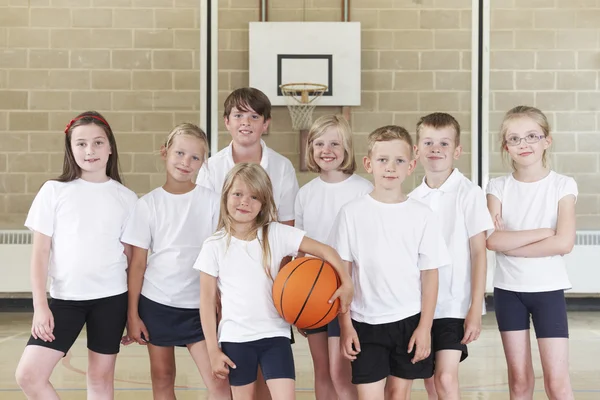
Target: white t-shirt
x: 319, y: 202
x: 528, y: 206
x: 462, y: 210
x: 280, y: 170
x: 173, y: 227
x: 85, y: 221
x: 248, y: 312
x: 389, y: 245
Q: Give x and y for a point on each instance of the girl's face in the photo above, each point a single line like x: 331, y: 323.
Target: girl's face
x: 91, y: 148
x: 328, y: 150
x: 525, y: 142
x: 242, y: 204
x: 184, y: 157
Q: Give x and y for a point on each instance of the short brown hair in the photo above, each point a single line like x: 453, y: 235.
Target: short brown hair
x: 245, y: 98
x: 439, y: 120
x: 317, y: 130
x: 388, y: 133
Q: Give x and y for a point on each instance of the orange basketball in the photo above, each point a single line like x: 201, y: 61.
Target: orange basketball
x: 302, y: 290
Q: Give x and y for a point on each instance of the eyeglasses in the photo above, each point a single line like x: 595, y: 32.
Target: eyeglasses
x: 531, y: 139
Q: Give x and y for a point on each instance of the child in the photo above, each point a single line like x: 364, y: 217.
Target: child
x: 172, y: 222
x: 461, y: 208
x: 241, y: 260
x: 77, y: 221
x: 534, y: 212
x: 330, y: 153
x: 247, y: 116
x: 394, y: 246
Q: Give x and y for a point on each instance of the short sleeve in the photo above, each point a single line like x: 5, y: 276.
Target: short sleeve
x: 495, y: 188
x: 130, y: 203
x: 208, y: 259
x: 339, y: 237
x: 216, y: 212
x: 433, y: 252
x: 289, y: 190
x: 288, y: 239
x: 41, y: 214
x: 138, y: 230
x: 203, y: 178
x: 299, y: 212
x: 477, y: 215
x: 568, y: 186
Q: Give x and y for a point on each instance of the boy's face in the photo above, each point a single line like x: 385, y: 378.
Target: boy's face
x: 437, y: 149
x: 390, y: 163
x: 246, y: 127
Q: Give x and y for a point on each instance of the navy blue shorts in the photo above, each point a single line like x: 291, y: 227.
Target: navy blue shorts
x: 170, y: 326
x: 104, y: 319
x: 548, y: 310
x: 384, y: 352
x: 332, y: 329
x: 274, y: 355
x: 447, y: 334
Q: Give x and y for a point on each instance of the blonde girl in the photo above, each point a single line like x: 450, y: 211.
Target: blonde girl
x: 534, y: 213
x: 170, y: 223
x: 240, y: 262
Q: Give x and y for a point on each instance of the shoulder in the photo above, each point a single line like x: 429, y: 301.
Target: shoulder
x: 561, y: 179
x: 206, y: 193
x: 309, y: 187
x: 418, y: 207
x: 418, y: 192
x: 278, y: 161
x: 218, y: 157
x: 357, y: 205
x: 360, y: 182
x: 127, y: 194
x: 469, y: 189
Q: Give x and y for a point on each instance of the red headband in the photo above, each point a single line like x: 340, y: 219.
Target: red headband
x: 84, y: 116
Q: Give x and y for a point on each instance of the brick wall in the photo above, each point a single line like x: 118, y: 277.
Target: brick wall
x: 136, y: 61
x: 546, y: 53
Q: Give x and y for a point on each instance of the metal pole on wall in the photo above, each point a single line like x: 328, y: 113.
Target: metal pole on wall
x: 209, y: 56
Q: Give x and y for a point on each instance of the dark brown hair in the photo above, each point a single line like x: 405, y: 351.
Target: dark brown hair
x: 440, y: 120
x: 248, y: 98
x: 71, y: 170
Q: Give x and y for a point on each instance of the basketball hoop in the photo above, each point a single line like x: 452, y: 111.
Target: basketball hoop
x: 301, y: 99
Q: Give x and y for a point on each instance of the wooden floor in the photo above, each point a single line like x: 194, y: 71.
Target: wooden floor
x: 483, y: 374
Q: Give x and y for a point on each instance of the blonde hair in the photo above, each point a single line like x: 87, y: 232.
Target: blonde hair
x: 259, y: 183
x: 388, y: 133
x: 536, y: 115
x: 188, y: 129
x: 318, y: 129
x: 439, y: 120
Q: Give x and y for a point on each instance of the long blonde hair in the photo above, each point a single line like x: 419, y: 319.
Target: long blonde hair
x: 259, y: 183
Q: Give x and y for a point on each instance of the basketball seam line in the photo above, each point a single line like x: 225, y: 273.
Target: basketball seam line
x: 337, y: 278
x: 310, y: 292
x: 283, y: 287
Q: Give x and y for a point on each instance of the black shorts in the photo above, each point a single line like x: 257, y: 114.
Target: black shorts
x: 332, y: 329
x: 384, y: 352
x: 447, y: 334
x: 170, y: 326
x: 547, y: 309
x: 104, y: 320
x: 274, y: 355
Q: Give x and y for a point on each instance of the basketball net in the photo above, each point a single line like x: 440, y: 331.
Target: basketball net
x: 301, y: 99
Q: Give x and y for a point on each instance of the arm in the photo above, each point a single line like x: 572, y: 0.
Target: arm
x: 503, y: 241
x: 135, y: 280
x: 42, y: 326
x: 478, y: 277
x: 327, y: 253
x: 349, y: 343
x: 286, y: 260
x: 421, y: 338
x: 208, y: 316
x: 559, y: 244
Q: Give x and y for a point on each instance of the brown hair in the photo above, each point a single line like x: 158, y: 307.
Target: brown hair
x: 248, y: 98
x: 518, y: 112
x: 439, y: 120
x: 259, y: 183
x: 318, y: 128
x: 71, y: 170
x: 388, y: 133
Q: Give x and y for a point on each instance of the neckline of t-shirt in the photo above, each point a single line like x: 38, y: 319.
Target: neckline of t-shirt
x: 382, y: 204
x: 84, y: 182
x: 264, y: 159
x: 531, y: 183
x: 178, y: 195
x: 335, y: 183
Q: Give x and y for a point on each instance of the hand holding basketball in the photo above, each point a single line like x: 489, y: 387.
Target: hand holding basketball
x: 344, y: 294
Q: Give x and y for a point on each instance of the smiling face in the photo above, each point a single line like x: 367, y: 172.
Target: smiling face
x: 243, y: 204
x: 390, y: 162
x: 328, y: 150
x: 437, y: 149
x: 525, y: 142
x: 246, y: 126
x: 91, y: 149
x: 184, y: 157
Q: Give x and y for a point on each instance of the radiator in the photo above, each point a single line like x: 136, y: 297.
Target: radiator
x: 582, y: 263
